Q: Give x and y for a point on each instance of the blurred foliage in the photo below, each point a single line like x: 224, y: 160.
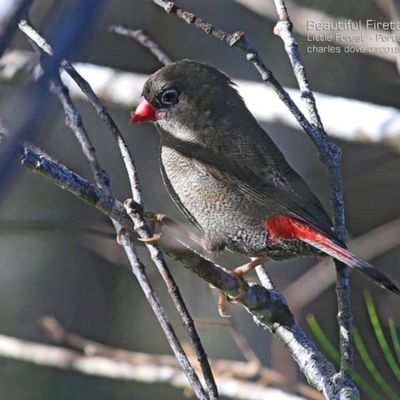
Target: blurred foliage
x: 390, y: 351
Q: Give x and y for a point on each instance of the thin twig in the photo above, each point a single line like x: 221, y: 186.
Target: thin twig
x: 74, y: 121
x: 37, y: 160
x: 15, y: 10
x: 238, y: 39
x: 122, y: 89
x: 223, y: 368
x: 98, y: 105
x: 328, y: 153
x: 35, y: 100
x: 32, y: 34
x: 267, y: 307
x: 136, y: 214
x: 264, y: 277
x: 141, y: 368
x: 112, y: 126
x: 145, y: 232
x: 144, y: 39
x: 140, y: 273
x: 284, y: 29
x: 332, y: 162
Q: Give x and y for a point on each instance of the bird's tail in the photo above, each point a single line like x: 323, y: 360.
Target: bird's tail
x: 285, y: 227
x: 339, y: 253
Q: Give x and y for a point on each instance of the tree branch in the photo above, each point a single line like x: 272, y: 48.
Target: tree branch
x: 328, y: 152
x: 143, y: 38
x: 140, y: 367
x: 74, y: 121
x: 123, y: 89
x: 330, y: 155
x: 269, y: 309
x: 302, y: 16
x: 36, y: 101
x: 14, y: 11
x: 233, y: 369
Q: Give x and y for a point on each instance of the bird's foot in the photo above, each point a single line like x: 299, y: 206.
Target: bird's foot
x: 238, y: 273
x: 245, y: 268
x: 223, y: 297
x: 160, y: 220
x: 156, y: 221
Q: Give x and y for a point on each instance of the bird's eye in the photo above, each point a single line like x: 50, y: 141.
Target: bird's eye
x: 169, y: 97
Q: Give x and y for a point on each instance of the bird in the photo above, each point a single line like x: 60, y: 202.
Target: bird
x: 229, y: 178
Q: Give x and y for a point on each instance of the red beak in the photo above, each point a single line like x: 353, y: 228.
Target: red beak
x: 144, y: 112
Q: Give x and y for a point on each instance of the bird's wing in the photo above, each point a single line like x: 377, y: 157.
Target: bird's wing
x: 270, y: 182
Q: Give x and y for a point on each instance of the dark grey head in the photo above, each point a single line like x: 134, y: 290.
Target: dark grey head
x: 188, y: 97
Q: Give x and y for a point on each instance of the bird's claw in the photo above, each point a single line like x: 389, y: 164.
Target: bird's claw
x: 151, y: 239
x: 223, y: 297
x: 159, y: 220
x: 121, y: 233
x: 245, y: 268
x: 238, y: 274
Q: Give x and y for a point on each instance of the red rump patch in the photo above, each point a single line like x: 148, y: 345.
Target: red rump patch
x: 283, y: 227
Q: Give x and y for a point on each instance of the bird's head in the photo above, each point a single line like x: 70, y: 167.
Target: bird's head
x: 187, y: 96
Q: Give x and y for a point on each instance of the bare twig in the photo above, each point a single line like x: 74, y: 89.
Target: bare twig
x: 331, y: 160
x: 74, y: 121
x: 328, y: 152
x: 136, y: 214
x: 123, y: 89
x: 100, y: 108
x: 254, y: 365
x: 267, y: 307
x: 140, y: 273
x: 238, y: 39
x: 141, y: 368
x: 305, y: 18
x: 222, y: 368
x: 15, y: 10
x: 57, y: 173
x: 143, y: 38
x: 36, y: 101
x: 264, y: 277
